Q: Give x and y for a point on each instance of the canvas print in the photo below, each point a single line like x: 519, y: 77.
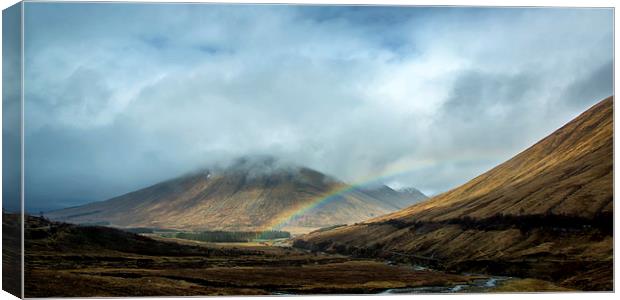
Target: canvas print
x: 201, y: 149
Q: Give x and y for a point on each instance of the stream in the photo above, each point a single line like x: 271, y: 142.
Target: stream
x: 476, y: 286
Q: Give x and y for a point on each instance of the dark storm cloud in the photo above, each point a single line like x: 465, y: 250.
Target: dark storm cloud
x: 119, y: 96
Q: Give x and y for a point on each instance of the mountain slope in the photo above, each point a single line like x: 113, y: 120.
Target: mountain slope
x: 399, y: 199
x: 412, y: 194
x: 568, y: 172
x: 546, y: 213
x: 252, y: 194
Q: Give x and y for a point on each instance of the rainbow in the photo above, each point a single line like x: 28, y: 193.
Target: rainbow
x: 290, y: 215
x: 399, y: 169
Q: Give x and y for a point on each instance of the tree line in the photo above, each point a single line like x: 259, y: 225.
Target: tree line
x: 232, y: 236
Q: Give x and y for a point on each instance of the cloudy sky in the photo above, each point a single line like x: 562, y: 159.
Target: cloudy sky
x: 120, y: 96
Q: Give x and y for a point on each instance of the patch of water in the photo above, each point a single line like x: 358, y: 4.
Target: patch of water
x: 421, y: 268
x: 476, y: 286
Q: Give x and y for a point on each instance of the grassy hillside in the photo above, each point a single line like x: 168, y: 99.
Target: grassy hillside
x: 546, y: 213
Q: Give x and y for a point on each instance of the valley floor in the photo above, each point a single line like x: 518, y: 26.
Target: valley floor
x: 64, y: 260
x: 251, y: 269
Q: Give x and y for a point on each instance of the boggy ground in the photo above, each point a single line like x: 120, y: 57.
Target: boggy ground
x: 65, y: 260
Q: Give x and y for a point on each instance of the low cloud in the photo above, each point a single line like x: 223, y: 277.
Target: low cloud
x: 119, y: 97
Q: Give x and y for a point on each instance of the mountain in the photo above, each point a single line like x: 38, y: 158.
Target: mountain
x: 412, y: 193
x: 258, y: 193
x: 399, y: 198
x: 546, y: 213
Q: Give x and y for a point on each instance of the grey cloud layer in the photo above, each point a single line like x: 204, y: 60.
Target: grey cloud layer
x: 120, y: 96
